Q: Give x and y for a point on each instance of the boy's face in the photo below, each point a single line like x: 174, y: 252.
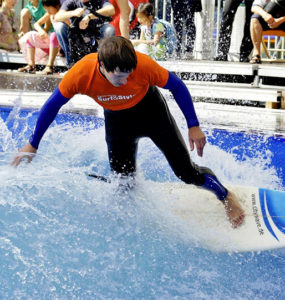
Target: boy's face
x: 143, y: 19
x: 116, y: 78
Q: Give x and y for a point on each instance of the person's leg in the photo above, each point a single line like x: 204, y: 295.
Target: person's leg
x: 25, y: 19
x: 31, y: 67
x: 230, y: 9
x: 61, y: 30
x: 122, y: 156
x: 30, y: 54
x: 53, y: 50
x: 165, y: 134
x: 122, y: 147
x: 256, y: 36
x: 76, y: 45
x: 246, y: 44
x: 190, y: 29
x: 163, y: 131
x: 178, y: 23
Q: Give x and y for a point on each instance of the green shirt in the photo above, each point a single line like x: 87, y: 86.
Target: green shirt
x: 37, y: 12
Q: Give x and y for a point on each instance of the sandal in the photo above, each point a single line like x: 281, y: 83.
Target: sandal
x: 255, y: 59
x: 48, y: 70
x: 28, y: 69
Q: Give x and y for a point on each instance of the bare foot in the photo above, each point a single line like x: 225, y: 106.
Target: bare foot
x: 234, y: 210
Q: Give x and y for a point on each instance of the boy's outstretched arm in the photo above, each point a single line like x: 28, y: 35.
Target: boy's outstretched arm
x: 45, y: 118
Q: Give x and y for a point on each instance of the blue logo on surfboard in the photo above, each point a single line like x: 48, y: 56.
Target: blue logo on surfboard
x: 272, y: 205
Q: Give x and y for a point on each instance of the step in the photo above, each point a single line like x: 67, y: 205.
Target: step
x: 237, y: 91
x: 210, y: 67
x: 272, y: 70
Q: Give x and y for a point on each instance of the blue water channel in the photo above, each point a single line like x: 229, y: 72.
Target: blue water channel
x: 65, y: 236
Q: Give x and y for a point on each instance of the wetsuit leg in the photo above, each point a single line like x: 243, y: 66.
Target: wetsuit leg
x: 122, y: 142
x: 166, y: 135
x: 122, y: 157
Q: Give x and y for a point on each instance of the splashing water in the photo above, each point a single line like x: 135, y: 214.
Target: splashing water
x: 65, y: 236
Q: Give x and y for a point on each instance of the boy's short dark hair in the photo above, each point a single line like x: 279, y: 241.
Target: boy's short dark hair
x: 146, y: 9
x: 53, y: 3
x: 117, y: 52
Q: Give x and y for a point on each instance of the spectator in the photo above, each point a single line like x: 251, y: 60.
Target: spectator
x: 37, y: 44
x: 8, y: 26
x: 153, y: 39
x: 61, y: 29
x: 124, y: 11
x: 84, y: 31
x: 30, y: 14
x: 266, y: 15
x: 183, y: 14
x: 229, y: 12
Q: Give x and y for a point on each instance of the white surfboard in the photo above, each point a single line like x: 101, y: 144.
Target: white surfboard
x: 263, y: 228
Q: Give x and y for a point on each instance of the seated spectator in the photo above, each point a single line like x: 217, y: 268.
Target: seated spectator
x: 183, y: 19
x: 30, y: 14
x: 37, y: 44
x: 266, y: 15
x: 84, y: 31
x: 8, y: 26
x: 61, y: 29
x: 229, y: 12
x: 153, y: 39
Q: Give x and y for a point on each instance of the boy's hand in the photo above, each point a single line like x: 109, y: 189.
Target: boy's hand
x: 27, y: 152
x: 197, y: 138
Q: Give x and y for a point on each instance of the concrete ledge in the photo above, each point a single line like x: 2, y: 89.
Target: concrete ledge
x: 28, y: 82
x: 199, y: 89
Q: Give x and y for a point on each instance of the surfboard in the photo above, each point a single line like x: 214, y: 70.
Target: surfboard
x: 262, y: 229
x: 203, y: 216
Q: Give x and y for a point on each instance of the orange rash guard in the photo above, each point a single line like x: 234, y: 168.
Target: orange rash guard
x: 85, y: 78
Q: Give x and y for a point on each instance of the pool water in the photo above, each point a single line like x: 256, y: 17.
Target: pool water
x: 66, y: 236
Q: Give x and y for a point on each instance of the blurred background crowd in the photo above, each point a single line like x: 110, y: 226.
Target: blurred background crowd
x: 162, y: 29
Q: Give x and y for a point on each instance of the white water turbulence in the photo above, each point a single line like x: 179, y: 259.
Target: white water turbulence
x: 66, y: 236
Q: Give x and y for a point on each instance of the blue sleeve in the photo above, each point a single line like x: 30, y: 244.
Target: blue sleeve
x: 47, y: 115
x: 183, y: 98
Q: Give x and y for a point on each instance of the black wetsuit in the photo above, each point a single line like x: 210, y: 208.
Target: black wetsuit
x: 149, y: 118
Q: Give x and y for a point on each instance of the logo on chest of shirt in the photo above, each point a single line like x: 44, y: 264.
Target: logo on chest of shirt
x: 106, y: 98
